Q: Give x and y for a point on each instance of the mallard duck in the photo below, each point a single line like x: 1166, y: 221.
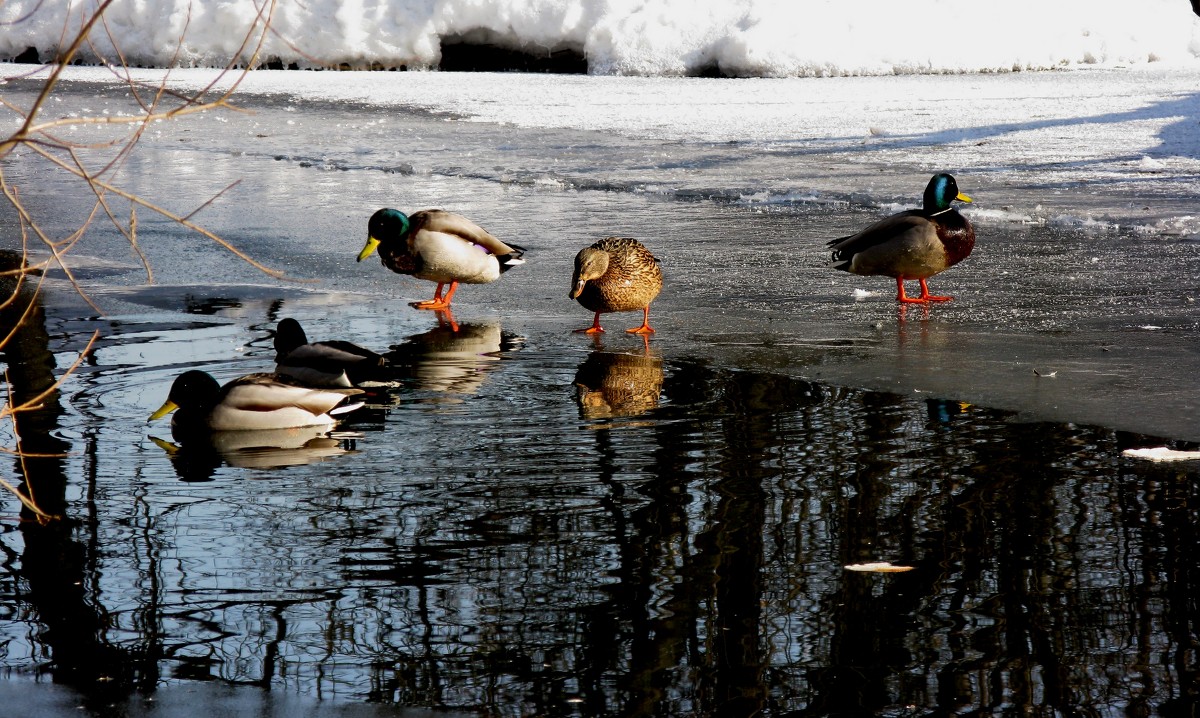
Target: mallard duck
x: 916, y: 244
x: 616, y: 274
x: 330, y: 363
x: 254, y: 401
x: 439, y: 246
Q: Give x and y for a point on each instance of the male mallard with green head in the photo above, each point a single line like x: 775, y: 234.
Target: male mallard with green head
x: 616, y: 274
x: 438, y: 246
x: 916, y: 244
x: 254, y: 401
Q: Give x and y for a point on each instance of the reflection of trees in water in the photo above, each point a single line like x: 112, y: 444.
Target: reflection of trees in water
x: 57, y: 569
x: 687, y: 563
x: 697, y: 570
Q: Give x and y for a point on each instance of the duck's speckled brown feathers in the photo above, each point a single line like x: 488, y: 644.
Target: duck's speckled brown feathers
x: 610, y: 385
x: 631, y: 279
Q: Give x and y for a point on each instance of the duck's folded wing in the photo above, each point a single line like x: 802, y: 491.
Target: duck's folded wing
x: 331, y: 353
x: 265, y: 393
x: 885, y: 230
x: 436, y: 220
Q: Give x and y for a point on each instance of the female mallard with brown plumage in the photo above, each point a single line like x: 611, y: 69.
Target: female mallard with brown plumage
x: 438, y: 246
x: 616, y: 274
x: 916, y: 244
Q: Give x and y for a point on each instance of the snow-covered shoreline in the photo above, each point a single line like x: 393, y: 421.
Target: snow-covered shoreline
x: 745, y: 38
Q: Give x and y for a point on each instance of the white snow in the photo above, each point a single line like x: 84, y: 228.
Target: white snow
x: 767, y: 38
x: 1105, y: 141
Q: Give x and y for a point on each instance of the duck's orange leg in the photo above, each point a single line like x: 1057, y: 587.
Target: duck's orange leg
x: 438, y: 301
x: 645, y: 328
x: 594, y: 329
x: 430, y: 303
x: 927, y: 297
x: 904, y: 298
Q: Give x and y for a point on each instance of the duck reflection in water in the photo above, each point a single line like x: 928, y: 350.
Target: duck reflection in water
x: 452, y: 358
x: 196, y: 456
x: 612, y: 385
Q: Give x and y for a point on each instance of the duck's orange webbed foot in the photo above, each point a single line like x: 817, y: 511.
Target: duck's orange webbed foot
x: 594, y: 329
x: 439, y: 302
x: 924, y: 298
x: 927, y: 297
x: 645, y: 328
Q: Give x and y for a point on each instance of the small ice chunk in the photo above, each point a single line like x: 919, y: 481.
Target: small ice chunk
x: 1162, y: 453
x: 1149, y: 164
x: 862, y: 294
x: 878, y: 567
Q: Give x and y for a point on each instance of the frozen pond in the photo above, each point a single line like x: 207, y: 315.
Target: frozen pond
x: 533, y: 522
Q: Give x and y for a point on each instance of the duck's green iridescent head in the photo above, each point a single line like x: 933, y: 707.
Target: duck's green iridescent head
x: 386, y: 225
x: 940, y: 192
x: 192, y: 390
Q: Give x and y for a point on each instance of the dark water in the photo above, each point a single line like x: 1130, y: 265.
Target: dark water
x: 530, y: 522
x: 519, y: 528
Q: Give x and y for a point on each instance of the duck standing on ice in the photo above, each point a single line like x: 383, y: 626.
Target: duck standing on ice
x: 916, y: 244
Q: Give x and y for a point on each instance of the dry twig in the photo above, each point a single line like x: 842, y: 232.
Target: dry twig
x: 40, y: 140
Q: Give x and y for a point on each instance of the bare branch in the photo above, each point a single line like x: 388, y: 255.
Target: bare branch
x: 48, y: 87
x: 157, y: 102
x: 212, y: 199
x: 24, y: 17
x: 23, y: 213
x: 168, y: 214
x: 33, y: 403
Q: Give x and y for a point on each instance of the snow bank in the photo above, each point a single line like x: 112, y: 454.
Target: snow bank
x: 771, y: 38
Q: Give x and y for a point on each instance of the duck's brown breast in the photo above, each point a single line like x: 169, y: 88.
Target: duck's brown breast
x: 957, y: 236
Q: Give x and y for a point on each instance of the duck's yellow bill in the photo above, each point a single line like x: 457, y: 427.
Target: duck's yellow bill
x: 167, y: 407
x: 372, y: 243
x: 962, y: 197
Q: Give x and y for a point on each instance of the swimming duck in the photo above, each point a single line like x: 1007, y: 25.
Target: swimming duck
x: 916, y: 244
x: 439, y: 246
x: 616, y: 274
x: 333, y: 363
x: 254, y: 401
